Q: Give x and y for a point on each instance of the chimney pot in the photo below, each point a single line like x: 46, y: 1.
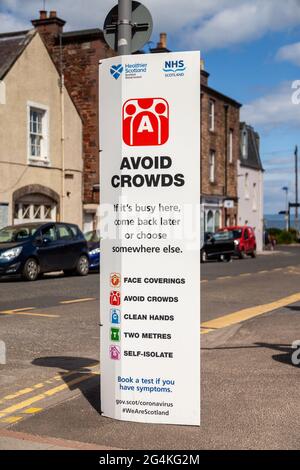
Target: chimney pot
x: 53, y: 14
x: 43, y: 14
x: 162, y: 41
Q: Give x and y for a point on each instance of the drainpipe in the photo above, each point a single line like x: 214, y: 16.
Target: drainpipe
x: 226, y: 159
x: 62, y: 115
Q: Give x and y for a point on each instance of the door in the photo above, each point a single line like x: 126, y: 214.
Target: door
x: 48, y: 251
x: 246, y: 238
x: 67, y: 247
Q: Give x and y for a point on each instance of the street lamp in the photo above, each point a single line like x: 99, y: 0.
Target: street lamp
x: 286, y: 190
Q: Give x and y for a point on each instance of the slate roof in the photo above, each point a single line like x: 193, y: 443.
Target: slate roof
x: 11, y: 47
x: 253, y: 158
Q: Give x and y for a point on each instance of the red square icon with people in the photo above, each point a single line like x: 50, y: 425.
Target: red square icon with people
x: 115, y: 298
x: 145, y: 122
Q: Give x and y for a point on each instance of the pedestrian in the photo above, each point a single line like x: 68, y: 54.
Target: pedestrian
x: 267, y: 240
x: 273, y: 242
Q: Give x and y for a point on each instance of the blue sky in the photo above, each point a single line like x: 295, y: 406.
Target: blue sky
x: 251, y: 49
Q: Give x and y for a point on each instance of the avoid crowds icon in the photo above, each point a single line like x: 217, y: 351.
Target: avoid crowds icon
x: 145, y: 122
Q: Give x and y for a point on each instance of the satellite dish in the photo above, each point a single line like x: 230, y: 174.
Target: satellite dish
x: 142, y: 26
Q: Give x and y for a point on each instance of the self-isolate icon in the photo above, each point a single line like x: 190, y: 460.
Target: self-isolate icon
x: 115, y: 298
x: 115, y: 353
x: 145, y: 121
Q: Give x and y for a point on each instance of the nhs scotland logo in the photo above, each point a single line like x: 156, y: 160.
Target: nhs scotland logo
x: 116, y: 71
x: 174, y: 68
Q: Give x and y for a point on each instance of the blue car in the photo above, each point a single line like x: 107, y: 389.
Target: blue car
x: 34, y: 249
x: 93, y: 242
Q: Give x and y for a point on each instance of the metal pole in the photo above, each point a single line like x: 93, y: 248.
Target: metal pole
x: 296, y: 186
x: 124, y: 27
x: 287, y: 209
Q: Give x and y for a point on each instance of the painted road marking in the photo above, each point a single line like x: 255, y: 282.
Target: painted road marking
x: 32, y: 411
x: 11, y: 419
x: 27, y: 313
x: 248, y: 313
x: 48, y: 393
x: 40, y: 385
x: 75, y: 301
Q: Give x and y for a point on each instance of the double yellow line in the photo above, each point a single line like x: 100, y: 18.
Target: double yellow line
x: 7, y: 414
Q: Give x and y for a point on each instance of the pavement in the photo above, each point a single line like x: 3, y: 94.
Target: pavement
x: 50, y: 385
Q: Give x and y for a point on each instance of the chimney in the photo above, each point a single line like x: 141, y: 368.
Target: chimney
x: 162, y: 44
x: 49, y: 27
x: 43, y: 14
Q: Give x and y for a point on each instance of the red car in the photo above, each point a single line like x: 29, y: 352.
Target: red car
x: 244, y: 239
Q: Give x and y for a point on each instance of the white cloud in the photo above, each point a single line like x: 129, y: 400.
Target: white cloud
x: 291, y: 53
x: 11, y: 23
x: 274, y: 109
x: 203, y: 24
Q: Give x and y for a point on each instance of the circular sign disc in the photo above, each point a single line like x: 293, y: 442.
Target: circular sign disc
x: 142, y: 26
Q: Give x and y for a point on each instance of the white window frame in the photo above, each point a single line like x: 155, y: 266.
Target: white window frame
x: 211, y: 111
x: 44, y: 159
x: 247, y: 187
x: 31, y: 213
x: 244, y: 144
x: 230, y: 146
x: 212, y: 166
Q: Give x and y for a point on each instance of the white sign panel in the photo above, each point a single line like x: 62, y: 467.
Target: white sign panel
x: 150, y: 246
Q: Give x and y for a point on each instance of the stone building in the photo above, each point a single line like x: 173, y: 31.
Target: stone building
x: 251, y: 183
x: 40, y: 136
x: 220, y: 150
x: 77, y: 55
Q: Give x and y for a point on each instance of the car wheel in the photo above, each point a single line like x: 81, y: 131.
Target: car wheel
x: 83, y: 267
x: 242, y: 254
x: 31, y: 270
x: 203, y: 256
x: 253, y: 254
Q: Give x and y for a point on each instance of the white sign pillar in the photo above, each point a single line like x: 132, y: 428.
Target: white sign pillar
x: 150, y: 245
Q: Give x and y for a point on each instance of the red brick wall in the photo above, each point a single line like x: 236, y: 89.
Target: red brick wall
x: 216, y: 141
x: 80, y: 58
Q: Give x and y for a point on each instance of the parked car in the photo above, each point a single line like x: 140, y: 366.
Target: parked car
x: 33, y: 249
x: 93, y: 242
x: 244, y: 239
x: 219, y: 246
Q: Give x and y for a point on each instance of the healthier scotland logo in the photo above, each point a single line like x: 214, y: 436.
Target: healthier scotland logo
x: 116, y: 71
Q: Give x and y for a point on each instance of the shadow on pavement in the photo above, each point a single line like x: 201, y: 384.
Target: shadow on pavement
x: 79, y: 374
x: 285, y: 356
x: 293, y: 308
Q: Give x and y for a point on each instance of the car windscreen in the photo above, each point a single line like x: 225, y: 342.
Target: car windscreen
x: 223, y: 236
x: 93, y: 236
x: 237, y: 233
x: 17, y: 234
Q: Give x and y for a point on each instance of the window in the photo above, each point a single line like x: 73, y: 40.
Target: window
x: 230, y: 146
x: 254, y: 205
x: 34, y: 212
x: 210, y: 222
x: 38, y: 148
x: 212, y: 164
x: 211, y: 124
x: 217, y: 220
x: 64, y: 232
x: 247, y: 192
x: 50, y: 233
x: 245, y: 144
